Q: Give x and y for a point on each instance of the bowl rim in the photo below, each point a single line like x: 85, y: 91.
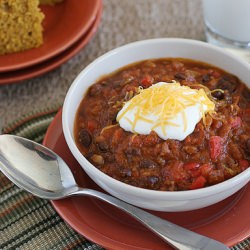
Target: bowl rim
x: 187, y: 41
x: 87, y: 166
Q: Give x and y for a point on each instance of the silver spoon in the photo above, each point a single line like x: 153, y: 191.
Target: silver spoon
x: 43, y: 173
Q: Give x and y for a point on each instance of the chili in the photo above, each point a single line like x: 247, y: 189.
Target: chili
x: 218, y: 149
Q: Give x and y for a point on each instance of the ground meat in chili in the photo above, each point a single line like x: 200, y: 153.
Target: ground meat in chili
x: 218, y: 149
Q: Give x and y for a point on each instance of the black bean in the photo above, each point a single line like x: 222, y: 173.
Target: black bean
x: 84, y: 138
x: 103, y: 146
x: 180, y: 76
x: 205, y: 78
x: 218, y: 95
x: 228, y: 82
x: 101, y: 143
x: 145, y: 163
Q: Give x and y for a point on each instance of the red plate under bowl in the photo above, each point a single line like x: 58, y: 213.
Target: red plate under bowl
x: 227, y: 221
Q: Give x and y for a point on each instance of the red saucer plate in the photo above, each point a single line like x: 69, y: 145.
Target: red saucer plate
x: 64, y: 24
x: 227, y: 221
x: 39, y: 69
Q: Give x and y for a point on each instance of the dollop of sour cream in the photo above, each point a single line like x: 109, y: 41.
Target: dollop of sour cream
x: 169, y: 109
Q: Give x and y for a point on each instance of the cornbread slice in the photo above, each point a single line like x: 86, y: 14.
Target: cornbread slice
x: 20, y: 25
x: 50, y: 2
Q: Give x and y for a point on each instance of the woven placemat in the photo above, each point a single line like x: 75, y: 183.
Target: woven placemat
x: 27, y: 222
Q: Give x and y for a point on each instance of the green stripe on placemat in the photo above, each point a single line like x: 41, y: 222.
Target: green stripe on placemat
x: 27, y: 222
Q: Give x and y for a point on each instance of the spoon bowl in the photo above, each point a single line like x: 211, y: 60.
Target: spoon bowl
x: 43, y: 173
x: 50, y: 179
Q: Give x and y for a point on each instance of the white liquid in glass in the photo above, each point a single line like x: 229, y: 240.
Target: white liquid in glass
x: 228, y: 18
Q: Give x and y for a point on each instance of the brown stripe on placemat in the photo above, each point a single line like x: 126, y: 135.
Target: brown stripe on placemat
x: 4, y: 183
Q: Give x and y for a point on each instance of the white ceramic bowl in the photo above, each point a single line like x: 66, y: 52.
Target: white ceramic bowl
x: 137, y: 51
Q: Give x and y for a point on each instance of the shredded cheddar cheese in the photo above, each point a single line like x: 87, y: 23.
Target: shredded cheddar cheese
x: 165, y: 101
x: 108, y: 127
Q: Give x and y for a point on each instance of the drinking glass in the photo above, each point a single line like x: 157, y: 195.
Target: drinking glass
x: 227, y: 23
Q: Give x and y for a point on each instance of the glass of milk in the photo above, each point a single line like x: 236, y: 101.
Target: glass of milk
x: 227, y: 22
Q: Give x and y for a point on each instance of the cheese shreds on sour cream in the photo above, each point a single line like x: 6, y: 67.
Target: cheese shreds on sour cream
x: 169, y: 109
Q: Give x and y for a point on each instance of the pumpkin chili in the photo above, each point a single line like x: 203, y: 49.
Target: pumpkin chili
x: 217, y: 150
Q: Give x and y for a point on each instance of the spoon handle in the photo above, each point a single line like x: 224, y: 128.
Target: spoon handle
x: 176, y: 236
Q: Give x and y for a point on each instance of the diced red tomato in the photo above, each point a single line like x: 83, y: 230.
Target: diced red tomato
x: 147, y: 81
x: 92, y: 125
x: 193, y: 168
x: 191, y: 165
x: 236, y: 122
x: 215, y: 146
x: 244, y: 164
x: 199, y: 182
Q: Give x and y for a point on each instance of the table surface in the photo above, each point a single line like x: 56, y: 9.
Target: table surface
x: 122, y: 22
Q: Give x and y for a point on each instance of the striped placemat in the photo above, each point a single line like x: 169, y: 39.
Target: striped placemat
x: 27, y: 222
